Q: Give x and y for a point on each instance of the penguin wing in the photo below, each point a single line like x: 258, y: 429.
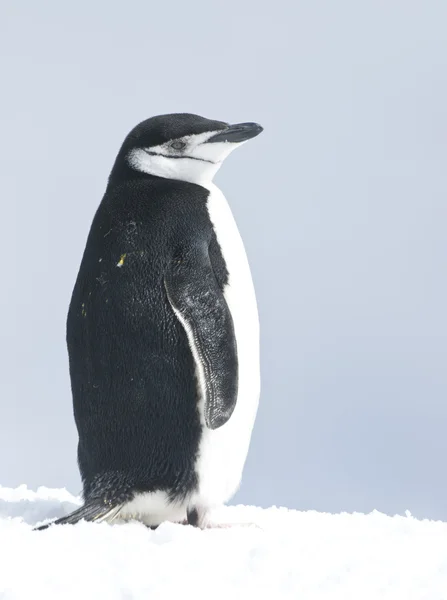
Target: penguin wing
x: 200, y: 306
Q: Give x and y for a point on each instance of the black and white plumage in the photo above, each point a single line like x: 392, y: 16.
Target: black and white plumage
x: 163, y: 332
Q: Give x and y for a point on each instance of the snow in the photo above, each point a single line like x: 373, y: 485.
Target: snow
x: 284, y: 554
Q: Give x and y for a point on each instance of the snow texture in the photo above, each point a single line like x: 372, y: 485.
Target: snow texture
x: 285, y: 554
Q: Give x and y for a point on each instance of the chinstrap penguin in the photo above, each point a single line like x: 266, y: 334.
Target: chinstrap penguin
x: 163, y: 332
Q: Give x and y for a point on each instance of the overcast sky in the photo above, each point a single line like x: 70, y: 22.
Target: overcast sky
x: 341, y: 203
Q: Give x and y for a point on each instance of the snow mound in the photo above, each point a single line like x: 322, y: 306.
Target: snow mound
x: 282, y: 554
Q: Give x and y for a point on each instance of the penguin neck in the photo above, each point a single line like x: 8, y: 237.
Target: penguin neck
x: 122, y: 172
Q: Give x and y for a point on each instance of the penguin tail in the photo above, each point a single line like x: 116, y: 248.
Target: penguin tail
x: 93, y: 511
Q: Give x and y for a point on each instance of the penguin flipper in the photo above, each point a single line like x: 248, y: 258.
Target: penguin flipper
x: 95, y: 511
x: 200, y: 306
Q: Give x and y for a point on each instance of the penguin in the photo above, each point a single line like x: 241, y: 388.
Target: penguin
x: 163, y: 333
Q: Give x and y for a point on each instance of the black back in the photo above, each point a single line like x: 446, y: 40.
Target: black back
x: 135, y: 401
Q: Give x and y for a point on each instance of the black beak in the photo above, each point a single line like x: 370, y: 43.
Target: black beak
x: 237, y: 133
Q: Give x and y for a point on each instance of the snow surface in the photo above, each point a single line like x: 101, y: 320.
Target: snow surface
x: 286, y: 554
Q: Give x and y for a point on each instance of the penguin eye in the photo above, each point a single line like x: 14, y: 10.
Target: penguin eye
x: 178, y: 145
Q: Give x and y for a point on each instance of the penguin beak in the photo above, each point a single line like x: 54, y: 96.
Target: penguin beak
x: 235, y: 134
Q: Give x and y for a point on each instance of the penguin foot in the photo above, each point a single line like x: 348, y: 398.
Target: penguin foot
x: 199, y: 518
x: 231, y: 525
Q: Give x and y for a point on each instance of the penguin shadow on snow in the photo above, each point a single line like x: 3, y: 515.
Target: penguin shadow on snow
x: 40, y: 514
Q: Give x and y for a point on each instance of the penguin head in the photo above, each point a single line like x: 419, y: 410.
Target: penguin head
x: 183, y: 146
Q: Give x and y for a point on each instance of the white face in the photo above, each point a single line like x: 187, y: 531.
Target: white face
x: 196, y: 161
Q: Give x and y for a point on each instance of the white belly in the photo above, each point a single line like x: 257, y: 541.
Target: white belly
x: 222, y: 452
